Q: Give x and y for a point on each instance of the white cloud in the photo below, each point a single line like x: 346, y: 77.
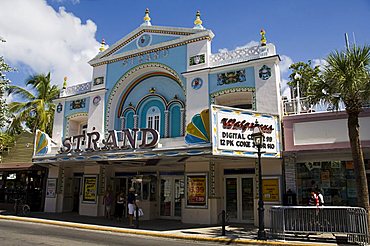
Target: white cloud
x: 285, y: 89
x: 319, y: 62
x: 224, y: 50
x: 47, y: 40
x: 247, y: 45
x: 285, y: 62
x: 64, y: 1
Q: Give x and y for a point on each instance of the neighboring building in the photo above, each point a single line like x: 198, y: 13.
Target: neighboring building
x: 317, y: 153
x: 166, y: 79
x: 19, y: 178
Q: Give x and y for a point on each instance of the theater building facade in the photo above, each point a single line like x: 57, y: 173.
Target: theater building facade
x: 165, y: 115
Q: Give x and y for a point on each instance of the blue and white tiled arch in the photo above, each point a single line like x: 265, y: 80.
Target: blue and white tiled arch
x: 136, y: 74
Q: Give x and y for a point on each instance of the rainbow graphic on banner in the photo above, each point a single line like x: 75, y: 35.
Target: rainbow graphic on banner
x: 198, y: 131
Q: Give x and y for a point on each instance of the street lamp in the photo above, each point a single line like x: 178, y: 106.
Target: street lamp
x: 297, y: 77
x: 258, y: 142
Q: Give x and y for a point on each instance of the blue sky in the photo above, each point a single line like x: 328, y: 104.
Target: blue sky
x: 62, y: 35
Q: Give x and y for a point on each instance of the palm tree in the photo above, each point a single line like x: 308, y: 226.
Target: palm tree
x: 35, y: 110
x: 346, y: 79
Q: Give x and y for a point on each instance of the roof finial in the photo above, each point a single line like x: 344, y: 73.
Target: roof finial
x: 65, y: 83
x: 198, y: 22
x: 263, y: 37
x: 102, y: 46
x: 146, y: 18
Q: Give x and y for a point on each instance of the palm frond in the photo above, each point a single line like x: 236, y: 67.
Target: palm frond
x: 24, y: 93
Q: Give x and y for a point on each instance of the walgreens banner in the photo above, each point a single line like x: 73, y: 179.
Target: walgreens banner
x: 232, y: 130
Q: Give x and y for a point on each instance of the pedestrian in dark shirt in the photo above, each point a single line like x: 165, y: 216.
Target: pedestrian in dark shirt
x: 120, y: 205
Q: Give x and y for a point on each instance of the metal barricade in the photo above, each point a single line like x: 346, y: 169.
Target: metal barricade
x: 351, y: 221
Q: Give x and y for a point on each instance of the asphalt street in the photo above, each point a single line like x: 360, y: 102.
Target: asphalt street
x: 25, y: 233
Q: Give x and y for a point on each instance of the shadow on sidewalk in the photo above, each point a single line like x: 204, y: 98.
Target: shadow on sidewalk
x: 154, y: 225
x: 233, y: 231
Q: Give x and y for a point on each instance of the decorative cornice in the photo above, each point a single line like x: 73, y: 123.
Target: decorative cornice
x: 141, y: 32
x: 146, y: 51
x: 232, y: 90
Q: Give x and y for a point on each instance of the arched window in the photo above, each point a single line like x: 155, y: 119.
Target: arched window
x: 175, y: 121
x: 153, y: 118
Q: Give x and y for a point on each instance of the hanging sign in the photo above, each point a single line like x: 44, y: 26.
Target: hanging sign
x: 232, y: 130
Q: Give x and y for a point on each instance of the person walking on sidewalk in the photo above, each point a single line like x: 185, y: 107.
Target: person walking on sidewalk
x: 131, y: 204
x: 108, y: 201
x: 120, y: 201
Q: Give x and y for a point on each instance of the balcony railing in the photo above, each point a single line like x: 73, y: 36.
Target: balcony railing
x: 303, y: 106
x: 78, y: 89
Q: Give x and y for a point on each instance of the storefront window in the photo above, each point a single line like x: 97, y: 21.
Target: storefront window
x: 335, y: 179
x: 27, y: 185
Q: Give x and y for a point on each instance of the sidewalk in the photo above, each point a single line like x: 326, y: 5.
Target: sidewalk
x: 235, y: 233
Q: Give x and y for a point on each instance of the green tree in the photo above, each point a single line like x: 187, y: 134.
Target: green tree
x: 6, y: 140
x: 4, y: 82
x: 346, y: 79
x: 304, y: 75
x: 36, y: 110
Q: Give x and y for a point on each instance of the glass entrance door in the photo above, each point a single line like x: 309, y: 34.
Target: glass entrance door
x: 171, y: 191
x: 239, y: 199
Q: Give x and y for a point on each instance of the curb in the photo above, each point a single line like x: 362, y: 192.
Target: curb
x: 152, y: 233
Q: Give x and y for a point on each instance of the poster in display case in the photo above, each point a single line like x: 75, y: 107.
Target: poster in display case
x: 196, y: 190
x: 271, y: 189
x: 90, y: 188
x: 51, y: 187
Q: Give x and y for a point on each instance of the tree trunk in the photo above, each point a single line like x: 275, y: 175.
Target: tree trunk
x: 358, y: 161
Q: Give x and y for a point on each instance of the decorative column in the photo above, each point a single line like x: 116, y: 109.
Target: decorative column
x: 123, y: 122
x: 182, y: 122
x: 166, y: 124
x: 136, y: 121
x: 61, y: 180
x: 290, y: 172
x: 212, y: 179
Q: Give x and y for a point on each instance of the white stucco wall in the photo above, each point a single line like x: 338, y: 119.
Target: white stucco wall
x: 51, y: 203
x: 198, y: 48
x: 196, y: 100
x: 96, y: 113
x: 99, y: 71
x: 268, y: 91
x: 58, y: 129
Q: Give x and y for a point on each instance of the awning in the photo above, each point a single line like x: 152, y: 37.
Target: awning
x: 17, y: 166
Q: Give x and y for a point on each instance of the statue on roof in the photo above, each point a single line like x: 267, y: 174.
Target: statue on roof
x: 147, y: 18
x: 102, y: 45
x: 263, y: 37
x: 198, y: 22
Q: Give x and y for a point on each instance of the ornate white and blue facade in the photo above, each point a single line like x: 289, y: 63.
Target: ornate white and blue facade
x: 166, y: 79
